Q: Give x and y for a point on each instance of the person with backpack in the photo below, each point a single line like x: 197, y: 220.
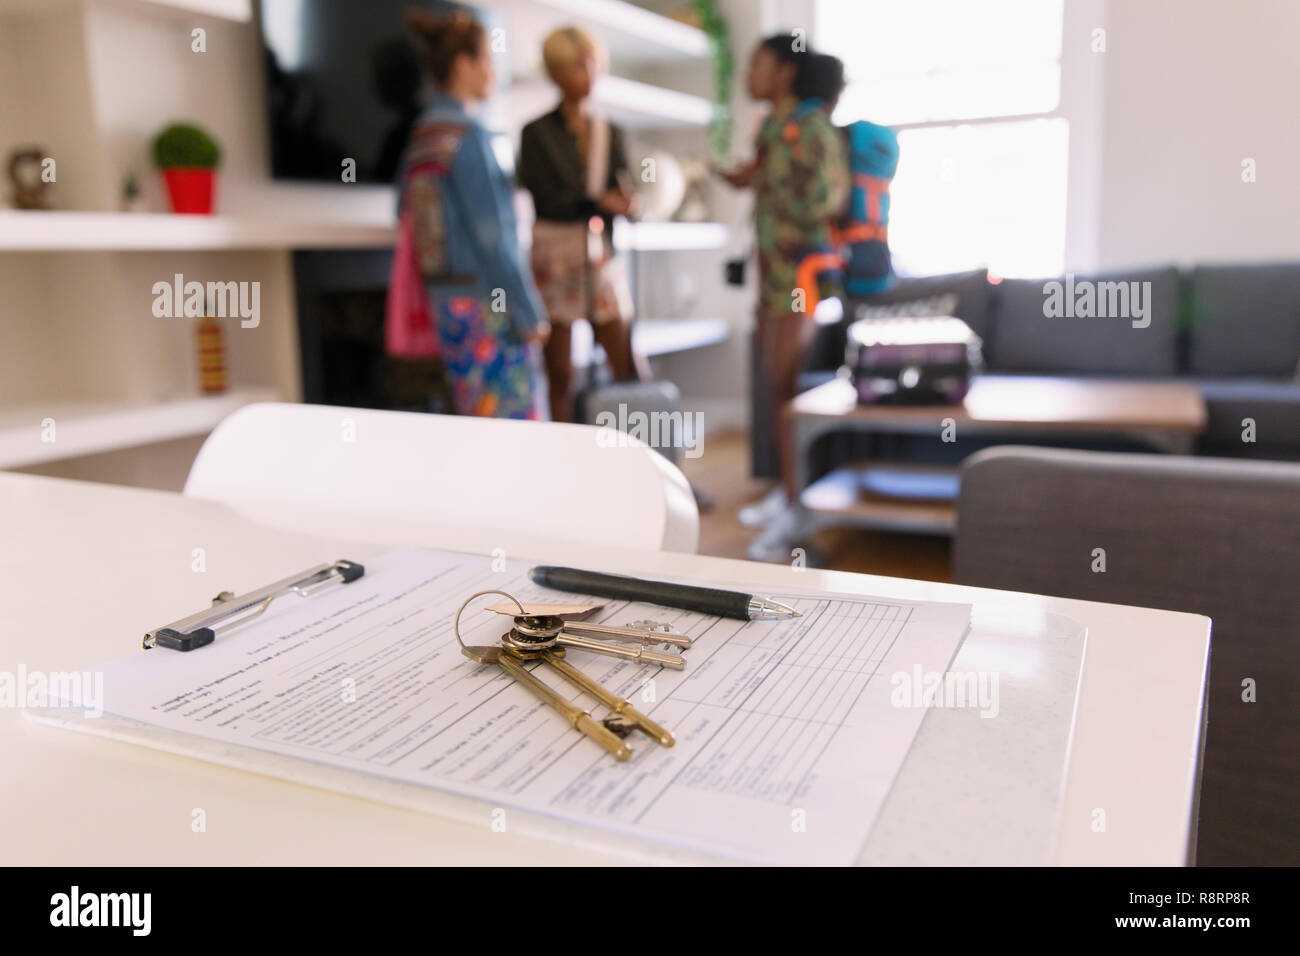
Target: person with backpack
x: 861, y: 235
x: 459, y: 230
x: 801, y: 183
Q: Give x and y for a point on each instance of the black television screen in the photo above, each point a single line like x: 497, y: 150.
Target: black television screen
x: 343, y: 82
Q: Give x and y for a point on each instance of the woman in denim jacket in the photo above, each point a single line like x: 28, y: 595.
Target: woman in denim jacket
x: 489, y: 317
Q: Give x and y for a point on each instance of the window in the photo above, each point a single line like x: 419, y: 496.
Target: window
x: 973, y: 88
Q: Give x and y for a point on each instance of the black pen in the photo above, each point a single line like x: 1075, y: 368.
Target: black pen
x: 720, y: 603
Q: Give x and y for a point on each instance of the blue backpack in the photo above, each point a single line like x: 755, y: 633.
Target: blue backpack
x: 863, y: 233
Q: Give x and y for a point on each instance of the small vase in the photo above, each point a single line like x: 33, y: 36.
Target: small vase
x: 191, y: 189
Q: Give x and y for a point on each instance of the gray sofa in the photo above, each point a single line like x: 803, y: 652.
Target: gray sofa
x: 1207, y: 535
x: 1233, y: 330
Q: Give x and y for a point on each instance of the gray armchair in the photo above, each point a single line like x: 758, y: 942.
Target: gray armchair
x: 1211, y: 536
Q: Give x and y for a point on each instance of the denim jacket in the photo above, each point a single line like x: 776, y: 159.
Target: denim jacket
x: 450, y: 158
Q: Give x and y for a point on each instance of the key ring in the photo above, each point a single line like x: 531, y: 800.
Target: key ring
x: 455, y: 627
x: 542, y: 638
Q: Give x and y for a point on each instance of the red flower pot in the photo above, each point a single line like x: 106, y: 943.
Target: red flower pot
x: 191, y: 188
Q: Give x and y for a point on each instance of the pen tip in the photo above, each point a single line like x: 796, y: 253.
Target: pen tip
x: 764, y: 609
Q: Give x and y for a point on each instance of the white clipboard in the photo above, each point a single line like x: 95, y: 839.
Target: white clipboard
x: 957, y: 800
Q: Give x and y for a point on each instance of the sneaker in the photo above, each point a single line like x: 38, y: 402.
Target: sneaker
x: 760, y: 513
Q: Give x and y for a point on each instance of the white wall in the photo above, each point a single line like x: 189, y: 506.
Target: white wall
x: 1192, y: 88
x: 45, y: 102
x: 1083, y: 85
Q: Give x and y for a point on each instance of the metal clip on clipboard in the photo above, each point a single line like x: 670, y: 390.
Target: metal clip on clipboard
x: 228, y: 610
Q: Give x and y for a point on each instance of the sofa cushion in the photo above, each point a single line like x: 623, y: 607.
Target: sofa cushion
x: 1244, y: 320
x: 1070, y: 327
x: 1274, y: 407
x: 972, y: 289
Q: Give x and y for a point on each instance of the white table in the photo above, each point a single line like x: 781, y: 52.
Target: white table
x: 86, y: 569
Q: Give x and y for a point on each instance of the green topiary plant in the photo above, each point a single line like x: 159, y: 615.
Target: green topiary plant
x: 185, y: 145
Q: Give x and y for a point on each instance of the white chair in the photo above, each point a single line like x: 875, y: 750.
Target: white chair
x: 289, y: 464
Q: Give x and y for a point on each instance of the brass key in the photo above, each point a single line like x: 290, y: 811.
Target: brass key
x: 578, y: 718
x: 539, y: 637
x: 623, y: 708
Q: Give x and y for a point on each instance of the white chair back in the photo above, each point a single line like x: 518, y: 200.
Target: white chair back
x: 288, y: 464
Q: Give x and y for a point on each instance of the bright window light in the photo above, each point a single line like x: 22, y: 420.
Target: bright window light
x: 981, y: 195
x: 967, y: 194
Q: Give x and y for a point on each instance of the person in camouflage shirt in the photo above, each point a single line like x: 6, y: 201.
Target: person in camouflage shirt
x: 801, y: 187
x: 800, y: 176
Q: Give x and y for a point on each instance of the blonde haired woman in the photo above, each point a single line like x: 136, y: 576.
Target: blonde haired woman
x: 575, y: 166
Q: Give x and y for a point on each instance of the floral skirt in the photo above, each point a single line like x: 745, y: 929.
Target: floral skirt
x: 491, y: 372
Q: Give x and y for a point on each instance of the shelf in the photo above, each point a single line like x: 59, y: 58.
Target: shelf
x: 52, y: 231
x: 90, y: 428
x: 25, y: 230
x: 630, y: 104
x: 637, y: 105
x: 631, y: 33
x: 655, y: 236
x: 842, y: 497
x: 654, y: 337
x: 670, y: 236
x: 238, y: 10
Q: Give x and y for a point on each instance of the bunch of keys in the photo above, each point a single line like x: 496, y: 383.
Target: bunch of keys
x: 540, y: 636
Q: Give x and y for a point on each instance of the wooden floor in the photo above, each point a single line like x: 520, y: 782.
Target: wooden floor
x: 722, y: 473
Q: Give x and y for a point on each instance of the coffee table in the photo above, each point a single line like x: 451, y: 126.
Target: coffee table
x: 1167, y: 416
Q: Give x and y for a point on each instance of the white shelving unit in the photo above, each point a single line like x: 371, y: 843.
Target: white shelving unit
x: 642, y: 106
x: 665, y: 336
x: 240, y: 11
x: 143, y: 232
x: 631, y: 33
x: 90, y: 82
x: 655, y: 338
x: 90, y: 428
x: 629, y: 103
x: 54, y: 231
x: 670, y: 236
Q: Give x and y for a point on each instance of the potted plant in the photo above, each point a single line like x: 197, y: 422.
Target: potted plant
x: 188, y: 158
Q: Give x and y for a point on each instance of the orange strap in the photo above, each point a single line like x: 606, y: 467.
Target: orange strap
x: 806, y: 275
x: 875, y: 188
x: 861, y: 232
